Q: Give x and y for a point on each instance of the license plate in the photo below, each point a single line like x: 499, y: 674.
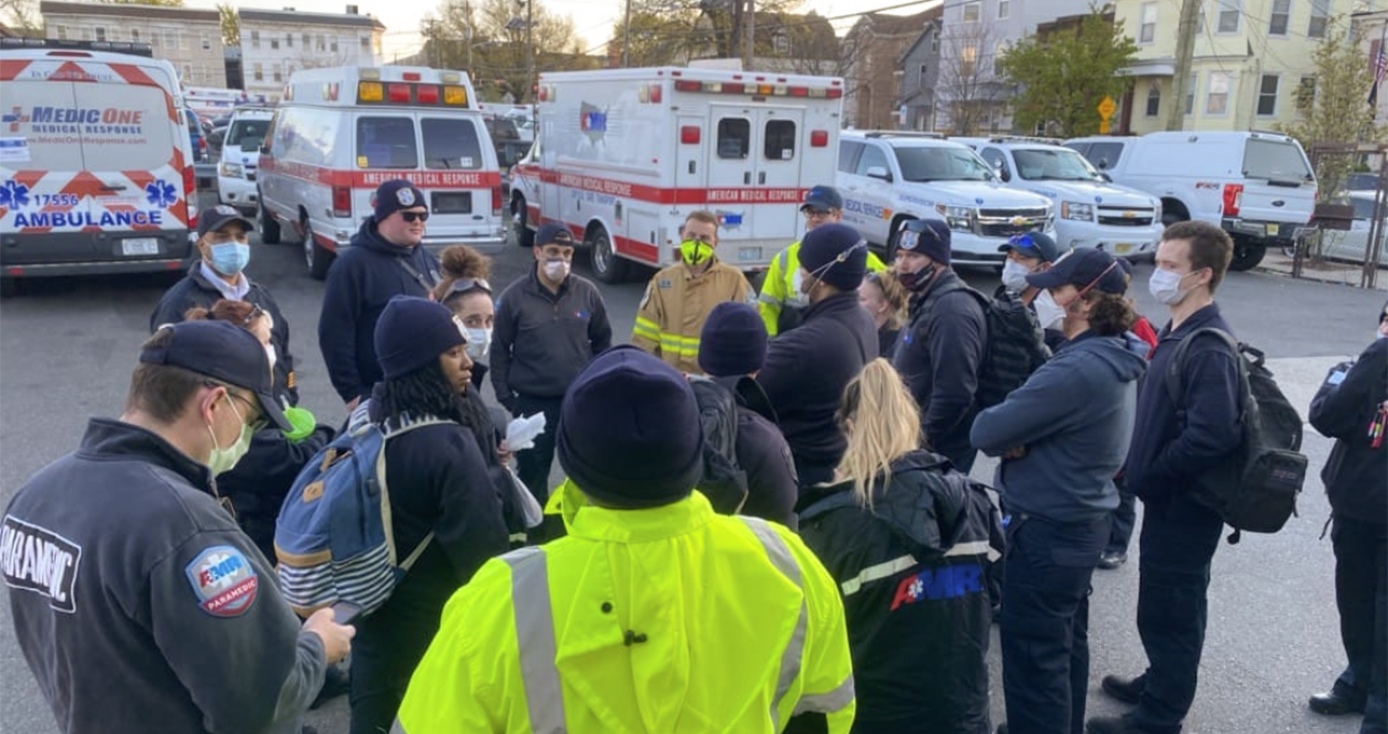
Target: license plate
x: 456, y: 203
x: 1123, y: 248
x: 139, y: 246
x: 749, y: 254
x: 1272, y: 230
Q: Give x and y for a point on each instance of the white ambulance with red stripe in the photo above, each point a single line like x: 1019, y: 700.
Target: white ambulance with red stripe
x: 622, y: 156
x: 339, y: 133
x: 96, y: 171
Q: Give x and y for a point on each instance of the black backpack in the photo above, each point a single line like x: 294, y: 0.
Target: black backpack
x: 1255, y: 487
x: 1014, y: 346
x: 724, y: 482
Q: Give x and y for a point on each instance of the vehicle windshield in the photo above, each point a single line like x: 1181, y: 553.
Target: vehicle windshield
x: 246, y: 131
x: 941, y: 163
x: 1275, y: 160
x: 1054, y: 165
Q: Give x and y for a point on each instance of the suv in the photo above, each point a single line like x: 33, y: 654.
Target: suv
x: 236, y: 166
x: 1257, y: 186
x: 1091, y: 211
x: 887, y: 178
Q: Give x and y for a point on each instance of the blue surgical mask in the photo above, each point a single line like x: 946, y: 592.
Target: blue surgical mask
x: 230, y: 258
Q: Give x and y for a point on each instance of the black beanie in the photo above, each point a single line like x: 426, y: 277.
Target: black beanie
x: 392, y: 196
x: 929, y: 237
x: 733, y: 341
x: 413, y: 332
x: 835, y: 254
x: 629, y: 433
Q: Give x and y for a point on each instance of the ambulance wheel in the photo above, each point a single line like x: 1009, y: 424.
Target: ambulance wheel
x: 316, y: 256
x: 520, y: 216
x: 269, y: 227
x: 607, y: 267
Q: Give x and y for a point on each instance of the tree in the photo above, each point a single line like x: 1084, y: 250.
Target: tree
x: 1066, y: 75
x: 159, y: 3
x: 491, y: 35
x: 231, y: 25
x: 969, y: 91
x: 22, y: 17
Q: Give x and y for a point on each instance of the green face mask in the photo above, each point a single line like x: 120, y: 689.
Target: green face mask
x: 695, y: 252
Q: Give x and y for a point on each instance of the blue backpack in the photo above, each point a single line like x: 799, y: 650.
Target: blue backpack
x: 333, y: 538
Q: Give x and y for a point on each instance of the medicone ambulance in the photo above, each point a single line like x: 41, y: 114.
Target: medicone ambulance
x: 622, y: 156
x: 96, y: 171
x: 339, y: 133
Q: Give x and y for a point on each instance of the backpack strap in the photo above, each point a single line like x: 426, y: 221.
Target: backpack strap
x: 386, y: 522
x: 1176, y: 368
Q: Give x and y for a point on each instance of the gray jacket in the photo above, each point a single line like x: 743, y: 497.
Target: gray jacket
x: 140, y: 605
x: 544, y: 339
x: 1075, y: 417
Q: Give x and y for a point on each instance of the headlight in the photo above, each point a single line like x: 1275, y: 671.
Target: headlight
x: 230, y: 170
x: 957, y: 217
x: 1156, y: 208
x: 1077, y: 210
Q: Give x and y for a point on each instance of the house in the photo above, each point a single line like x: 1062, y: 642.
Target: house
x: 276, y: 43
x: 1371, y: 28
x: 873, y: 49
x: 920, y: 72
x: 189, y: 39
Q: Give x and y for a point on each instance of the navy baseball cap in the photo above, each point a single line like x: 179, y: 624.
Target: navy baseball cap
x: 223, y: 352
x: 1083, y: 269
x: 1034, y: 245
x: 552, y: 233
x: 220, y: 216
x: 822, y: 197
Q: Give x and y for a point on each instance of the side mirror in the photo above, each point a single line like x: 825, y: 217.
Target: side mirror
x: 879, y: 172
x: 1102, y: 165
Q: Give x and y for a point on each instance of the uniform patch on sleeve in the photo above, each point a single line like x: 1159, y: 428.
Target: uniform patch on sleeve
x: 37, y: 559
x: 224, y: 581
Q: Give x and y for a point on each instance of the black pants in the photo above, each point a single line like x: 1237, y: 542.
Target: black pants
x: 1045, y: 622
x: 1361, y: 593
x: 387, y: 648
x: 533, y: 465
x: 1124, y: 519
x: 1178, y: 543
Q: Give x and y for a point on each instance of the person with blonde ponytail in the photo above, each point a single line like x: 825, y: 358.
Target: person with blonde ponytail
x: 907, y: 537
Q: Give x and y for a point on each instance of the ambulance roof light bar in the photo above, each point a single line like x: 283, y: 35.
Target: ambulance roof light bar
x: 761, y: 90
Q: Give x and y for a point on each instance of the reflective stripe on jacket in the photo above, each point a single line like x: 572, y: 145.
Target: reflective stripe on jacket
x: 677, y: 302
x: 781, y: 289
x: 666, y: 620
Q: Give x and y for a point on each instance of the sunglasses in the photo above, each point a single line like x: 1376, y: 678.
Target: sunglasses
x: 1023, y: 241
x: 415, y: 216
x: 464, y: 285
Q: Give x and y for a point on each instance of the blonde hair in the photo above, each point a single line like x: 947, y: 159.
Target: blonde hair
x: 894, y: 293
x: 885, y: 426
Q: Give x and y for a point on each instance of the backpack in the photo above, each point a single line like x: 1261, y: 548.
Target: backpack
x: 1255, y: 487
x: 1014, y: 346
x: 333, y: 538
x: 724, y: 482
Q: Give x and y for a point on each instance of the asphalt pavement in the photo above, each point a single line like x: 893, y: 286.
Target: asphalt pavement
x: 67, y: 347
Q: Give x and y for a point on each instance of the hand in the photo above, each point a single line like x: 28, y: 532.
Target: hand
x: 1014, y: 453
x: 337, y: 638
x: 503, y: 454
x: 353, y: 405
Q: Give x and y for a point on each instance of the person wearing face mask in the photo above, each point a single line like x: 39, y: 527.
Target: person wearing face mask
x: 679, y: 298
x: 941, y: 348
x: 1062, y: 437
x: 549, y: 326
x: 1352, y: 408
x: 808, y: 367
x: 223, y: 242
x: 781, y: 300
x: 883, y: 295
x: 1172, y: 446
x: 152, y: 610
x: 386, y: 259
x: 1033, y: 252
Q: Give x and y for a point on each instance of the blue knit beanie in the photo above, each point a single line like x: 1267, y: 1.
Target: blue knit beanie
x: 413, y: 332
x: 733, y: 341
x: 836, y: 254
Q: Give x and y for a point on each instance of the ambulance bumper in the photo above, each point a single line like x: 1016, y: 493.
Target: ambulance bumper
x: 54, y: 254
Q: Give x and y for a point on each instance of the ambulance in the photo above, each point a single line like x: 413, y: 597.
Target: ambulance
x: 622, y: 156
x: 339, y: 133
x: 96, y: 169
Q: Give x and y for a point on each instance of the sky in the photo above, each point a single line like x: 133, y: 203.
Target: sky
x: 593, y: 19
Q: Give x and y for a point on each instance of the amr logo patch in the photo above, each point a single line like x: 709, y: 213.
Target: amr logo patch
x: 224, y: 581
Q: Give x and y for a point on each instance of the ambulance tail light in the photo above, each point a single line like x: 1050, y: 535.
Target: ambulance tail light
x: 411, y: 76
x: 342, y: 201
x: 496, y: 200
x: 427, y: 94
x: 688, y: 85
x: 398, y: 92
x: 733, y: 88
x: 455, y: 95
x: 834, y: 93
x: 799, y: 91
x: 689, y: 134
x: 370, y: 92
x: 656, y: 93
x: 819, y: 138
x: 1233, y: 199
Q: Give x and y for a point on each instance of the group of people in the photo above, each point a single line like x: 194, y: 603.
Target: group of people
x: 850, y: 582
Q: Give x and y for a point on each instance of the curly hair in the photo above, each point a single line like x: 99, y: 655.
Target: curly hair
x: 233, y: 312
x: 461, y: 262
x: 1112, y: 314
x: 426, y: 392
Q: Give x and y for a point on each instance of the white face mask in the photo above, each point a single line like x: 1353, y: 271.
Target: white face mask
x: 796, y: 298
x: 1048, y: 312
x: 222, y: 460
x: 556, y: 269
x: 1165, y: 287
x: 1014, y: 276
x: 479, y: 342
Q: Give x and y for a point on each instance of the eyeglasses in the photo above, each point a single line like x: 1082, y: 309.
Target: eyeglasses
x: 464, y: 285
x: 415, y: 216
x: 260, y: 422
x: 816, y: 213
x: 256, y: 312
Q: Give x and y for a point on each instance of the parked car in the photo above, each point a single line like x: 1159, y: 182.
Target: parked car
x: 1362, y: 182
x: 197, y: 136
x: 1353, y: 245
x: 239, y: 157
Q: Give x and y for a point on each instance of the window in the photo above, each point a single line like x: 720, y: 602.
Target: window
x: 171, y: 40
x: 386, y: 142
x: 451, y: 143
x: 278, y: 73
x: 779, y: 140
x: 274, y: 44
x: 872, y: 157
x: 1191, y: 83
x: 1306, y: 95
x: 188, y: 79
x: 1320, y: 16
x: 997, y: 58
x: 255, y: 39
x: 1104, y: 155
x: 100, y: 33
x: 135, y: 34
x: 1267, y: 94
x: 307, y: 43
x: 998, y: 161
x: 1153, y: 101
x: 1217, y: 98
x: 1229, y: 12
x: 206, y: 42
x: 968, y: 61
x: 1281, y: 17
x: 332, y: 46
x: 1004, y: 9
x: 848, y: 155
x: 973, y: 12
x: 259, y: 73
x: 322, y: 45
x: 1147, y: 29
x: 366, y: 44
x: 734, y: 138
x: 934, y: 42
x: 62, y: 32
x: 289, y: 40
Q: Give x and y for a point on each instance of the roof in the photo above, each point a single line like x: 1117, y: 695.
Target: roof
x: 294, y: 17
x: 882, y: 24
x: 934, y: 23
x: 54, y: 7
x: 811, y: 35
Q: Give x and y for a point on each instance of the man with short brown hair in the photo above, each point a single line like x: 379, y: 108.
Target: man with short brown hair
x: 679, y: 298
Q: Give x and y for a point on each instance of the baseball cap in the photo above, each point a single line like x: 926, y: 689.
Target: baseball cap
x: 553, y: 234
x: 223, y: 352
x: 210, y: 220
x: 1081, y: 268
x: 822, y: 197
x: 1034, y: 245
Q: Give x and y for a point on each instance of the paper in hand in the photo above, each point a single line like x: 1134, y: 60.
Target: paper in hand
x: 521, y: 432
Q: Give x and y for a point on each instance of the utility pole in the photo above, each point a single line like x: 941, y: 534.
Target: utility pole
x: 751, y: 35
x: 467, y: 13
x: 1185, y: 50
x: 530, y: 50
x: 626, y: 40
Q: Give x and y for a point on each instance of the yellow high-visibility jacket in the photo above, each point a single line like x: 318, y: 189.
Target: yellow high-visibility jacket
x: 677, y: 302
x: 781, y: 289
x: 671, y: 620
